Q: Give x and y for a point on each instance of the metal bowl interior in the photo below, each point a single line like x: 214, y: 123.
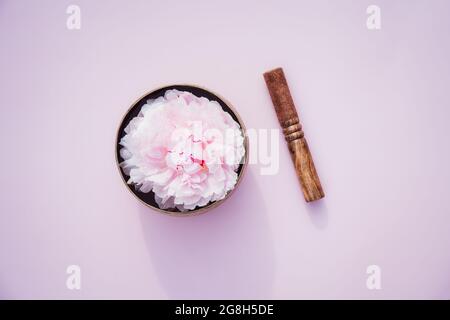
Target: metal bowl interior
x: 149, y: 198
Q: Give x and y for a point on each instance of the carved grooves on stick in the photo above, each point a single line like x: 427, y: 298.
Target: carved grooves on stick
x: 292, y: 129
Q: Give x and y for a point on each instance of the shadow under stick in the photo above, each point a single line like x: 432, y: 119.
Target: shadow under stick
x: 293, y: 133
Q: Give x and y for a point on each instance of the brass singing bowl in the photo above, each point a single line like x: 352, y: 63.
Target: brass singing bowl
x: 148, y: 199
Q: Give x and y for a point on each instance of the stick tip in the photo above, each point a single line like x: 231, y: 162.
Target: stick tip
x: 271, y: 72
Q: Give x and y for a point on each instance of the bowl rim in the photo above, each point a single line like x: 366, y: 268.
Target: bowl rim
x: 206, y: 208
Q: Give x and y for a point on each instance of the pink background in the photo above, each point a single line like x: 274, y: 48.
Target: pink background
x: 375, y: 107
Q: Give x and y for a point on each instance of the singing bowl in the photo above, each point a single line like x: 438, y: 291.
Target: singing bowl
x: 148, y: 199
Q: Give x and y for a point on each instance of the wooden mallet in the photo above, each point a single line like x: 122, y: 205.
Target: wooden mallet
x: 293, y: 133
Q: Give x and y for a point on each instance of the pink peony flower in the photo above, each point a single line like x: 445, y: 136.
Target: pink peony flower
x: 184, y: 148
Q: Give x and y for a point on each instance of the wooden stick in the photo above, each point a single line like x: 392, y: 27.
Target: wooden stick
x: 293, y: 133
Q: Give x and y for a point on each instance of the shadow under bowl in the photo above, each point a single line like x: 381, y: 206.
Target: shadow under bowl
x: 149, y: 198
